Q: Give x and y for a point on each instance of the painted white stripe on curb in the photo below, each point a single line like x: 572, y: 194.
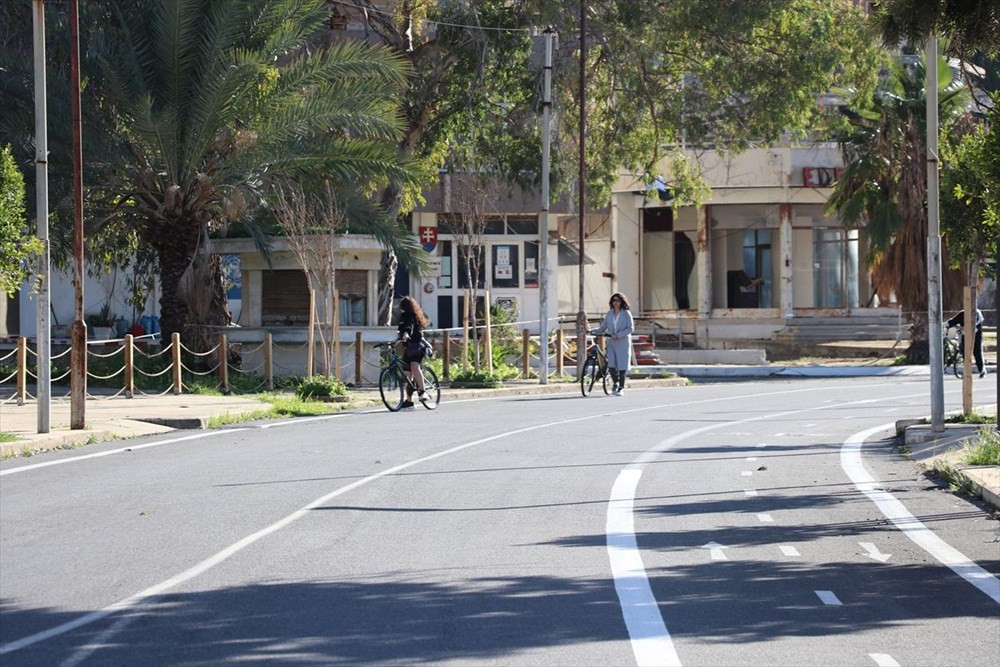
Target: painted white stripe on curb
x: 789, y: 551
x: 829, y: 598
x: 883, y: 660
x: 913, y: 528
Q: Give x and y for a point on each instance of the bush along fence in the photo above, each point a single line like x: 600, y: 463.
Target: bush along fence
x: 143, y: 365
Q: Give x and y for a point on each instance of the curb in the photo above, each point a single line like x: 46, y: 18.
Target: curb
x: 960, y: 477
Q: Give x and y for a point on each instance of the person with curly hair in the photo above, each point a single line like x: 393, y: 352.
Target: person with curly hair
x: 412, y: 322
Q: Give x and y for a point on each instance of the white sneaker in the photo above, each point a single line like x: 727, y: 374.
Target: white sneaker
x: 621, y: 392
x: 616, y: 392
x: 422, y: 395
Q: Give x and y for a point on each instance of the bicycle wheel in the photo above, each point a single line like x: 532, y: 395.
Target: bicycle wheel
x: 391, y: 386
x: 432, y: 390
x: 606, y: 381
x: 589, y: 376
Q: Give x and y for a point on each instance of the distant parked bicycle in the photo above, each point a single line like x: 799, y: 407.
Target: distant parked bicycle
x: 595, y: 368
x: 396, y: 387
x: 953, y: 353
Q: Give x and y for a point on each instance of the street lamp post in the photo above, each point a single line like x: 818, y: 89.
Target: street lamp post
x: 581, y: 314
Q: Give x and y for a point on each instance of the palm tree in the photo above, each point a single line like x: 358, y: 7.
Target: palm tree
x: 883, y: 186
x: 211, y: 103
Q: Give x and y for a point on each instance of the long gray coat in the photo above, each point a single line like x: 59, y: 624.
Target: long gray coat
x: 618, y: 350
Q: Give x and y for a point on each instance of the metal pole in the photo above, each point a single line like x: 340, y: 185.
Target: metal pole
x: 581, y: 314
x: 78, y: 357
x: 934, y: 333
x: 543, y: 246
x: 43, y: 371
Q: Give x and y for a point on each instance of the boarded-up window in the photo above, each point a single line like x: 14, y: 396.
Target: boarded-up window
x: 285, y: 297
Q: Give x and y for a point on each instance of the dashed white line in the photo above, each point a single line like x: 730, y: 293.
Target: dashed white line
x: 761, y: 445
x: 765, y: 518
x: 750, y: 492
x: 883, y: 660
x: 746, y: 473
x: 829, y: 598
x: 789, y: 551
x: 751, y: 458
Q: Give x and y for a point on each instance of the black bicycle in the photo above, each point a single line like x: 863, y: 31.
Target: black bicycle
x: 953, y: 353
x: 595, y: 368
x: 396, y: 387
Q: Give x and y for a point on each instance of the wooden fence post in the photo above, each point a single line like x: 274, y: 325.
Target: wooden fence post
x: 175, y: 344
x: 129, y: 366
x: 336, y: 332
x: 223, y: 364
x: 525, y: 353
x: 359, y: 359
x: 269, y: 360
x: 489, y: 336
x: 22, y: 369
x: 559, y: 351
x: 446, y: 357
x: 310, y: 340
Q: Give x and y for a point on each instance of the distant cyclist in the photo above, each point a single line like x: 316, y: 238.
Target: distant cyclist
x: 411, y: 331
x: 977, y: 345
x: 618, y: 326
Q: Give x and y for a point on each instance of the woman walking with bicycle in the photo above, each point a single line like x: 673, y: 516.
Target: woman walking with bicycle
x: 411, y: 331
x: 618, y: 327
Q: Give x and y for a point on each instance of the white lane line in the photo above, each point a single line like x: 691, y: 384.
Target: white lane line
x: 750, y: 492
x: 913, y: 528
x: 763, y: 444
x: 810, y: 425
x: 765, y: 518
x: 883, y: 660
x: 746, y: 473
x: 751, y: 458
x: 829, y: 598
x: 651, y: 642
x: 789, y: 551
x: 109, y: 452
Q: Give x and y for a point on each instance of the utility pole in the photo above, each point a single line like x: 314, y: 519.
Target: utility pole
x: 934, y: 335
x: 543, y: 241
x: 581, y: 313
x: 43, y: 372
x: 78, y: 355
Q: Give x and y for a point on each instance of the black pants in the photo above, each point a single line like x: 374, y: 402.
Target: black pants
x: 618, y: 377
x: 977, y: 350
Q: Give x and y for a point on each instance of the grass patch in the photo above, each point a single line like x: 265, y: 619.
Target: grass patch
x: 281, y: 405
x: 984, y: 450
x: 971, y: 418
x: 7, y: 437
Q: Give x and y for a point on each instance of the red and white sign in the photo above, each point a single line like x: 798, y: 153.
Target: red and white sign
x: 428, y: 237
x: 820, y: 177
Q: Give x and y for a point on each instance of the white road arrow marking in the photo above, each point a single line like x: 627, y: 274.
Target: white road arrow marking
x: 873, y: 552
x: 829, y: 598
x: 715, y: 549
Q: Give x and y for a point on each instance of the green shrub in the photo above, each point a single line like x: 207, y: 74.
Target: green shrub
x: 477, y: 377
x: 320, y: 386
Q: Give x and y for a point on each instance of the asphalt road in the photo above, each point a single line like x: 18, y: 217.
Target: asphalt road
x: 757, y: 523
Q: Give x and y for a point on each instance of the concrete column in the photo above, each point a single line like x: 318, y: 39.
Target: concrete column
x: 252, y: 296
x: 786, y: 288
x: 703, y: 262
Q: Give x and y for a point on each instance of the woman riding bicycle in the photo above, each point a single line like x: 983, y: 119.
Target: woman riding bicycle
x: 618, y: 326
x: 411, y: 326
